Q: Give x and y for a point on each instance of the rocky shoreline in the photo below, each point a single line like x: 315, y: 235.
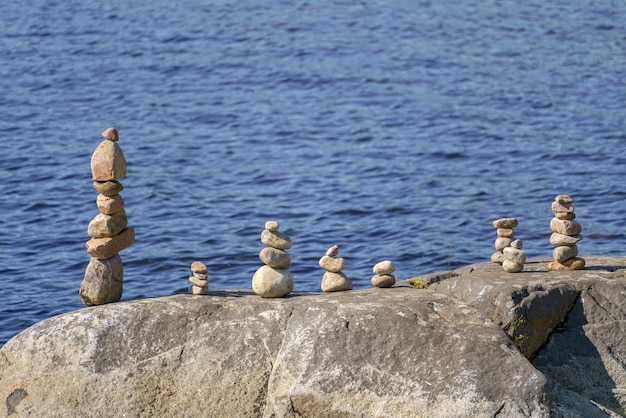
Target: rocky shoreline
x: 476, y: 341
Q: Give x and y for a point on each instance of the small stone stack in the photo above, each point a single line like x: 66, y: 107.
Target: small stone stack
x: 565, y: 236
x: 273, y: 280
x: 109, y: 232
x: 514, y: 257
x: 382, y: 274
x: 504, y: 230
x: 334, y: 280
x: 199, y: 278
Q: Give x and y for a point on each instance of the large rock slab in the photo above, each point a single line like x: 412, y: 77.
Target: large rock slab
x: 375, y: 352
x: 571, y: 324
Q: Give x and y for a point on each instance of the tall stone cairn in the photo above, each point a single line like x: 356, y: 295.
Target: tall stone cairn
x: 199, y: 278
x: 565, y: 236
x: 109, y: 232
x: 505, y: 236
x: 273, y: 280
x: 334, y: 280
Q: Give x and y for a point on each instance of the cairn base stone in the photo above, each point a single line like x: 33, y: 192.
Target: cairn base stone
x: 269, y: 282
x: 383, y: 280
x: 575, y: 263
x: 103, y: 281
x: 335, y: 282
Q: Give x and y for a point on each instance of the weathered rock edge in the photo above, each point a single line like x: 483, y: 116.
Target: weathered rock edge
x: 398, y: 352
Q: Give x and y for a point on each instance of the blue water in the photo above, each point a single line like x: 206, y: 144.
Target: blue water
x: 396, y: 129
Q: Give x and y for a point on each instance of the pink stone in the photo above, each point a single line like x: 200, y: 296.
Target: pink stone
x: 108, y: 188
x: 108, y: 162
x: 110, y: 204
x: 568, y: 216
x: 562, y: 207
x: 505, y: 232
x: 111, y: 134
x: 102, y: 282
x: 108, y: 247
x: 198, y: 267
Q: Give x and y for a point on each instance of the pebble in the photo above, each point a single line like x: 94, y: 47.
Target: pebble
x: 108, y: 188
x: 383, y: 280
x: 111, y: 134
x: 568, y: 216
x: 270, y: 281
x: 565, y: 227
x: 516, y: 255
x: 501, y: 243
x: 332, y: 264
x: 102, y: 282
x: 511, y: 266
x: 505, y: 232
x: 571, y: 264
x: 108, y: 162
x: 332, y: 251
x: 384, y: 267
x: 110, y: 204
x: 275, y: 239
x: 505, y: 223
x: 564, y: 253
x: 108, y: 247
x: 103, y: 226
x: 272, y: 226
x: 275, y: 258
x: 334, y: 280
x: 557, y: 239
x: 517, y: 244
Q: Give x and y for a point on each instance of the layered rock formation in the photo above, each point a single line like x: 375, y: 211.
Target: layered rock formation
x: 476, y: 342
x: 565, y: 235
x: 103, y: 280
x: 383, y: 274
x: 273, y: 280
x: 505, y: 235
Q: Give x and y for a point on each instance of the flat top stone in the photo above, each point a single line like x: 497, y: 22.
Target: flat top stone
x: 198, y: 267
x: 505, y: 223
x: 111, y: 134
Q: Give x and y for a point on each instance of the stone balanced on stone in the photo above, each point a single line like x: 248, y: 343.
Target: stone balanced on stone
x: 565, y: 236
x: 109, y: 232
x: 504, y: 231
x: 334, y: 280
x: 199, y: 278
x: 382, y: 274
x: 514, y: 257
x: 273, y: 280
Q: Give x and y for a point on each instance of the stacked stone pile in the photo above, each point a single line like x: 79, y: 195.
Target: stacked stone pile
x: 383, y: 276
x: 334, y: 280
x: 514, y: 257
x: 109, y: 232
x: 199, y: 278
x: 273, y: 280
x: 565, y: 236
x: 505, y: 236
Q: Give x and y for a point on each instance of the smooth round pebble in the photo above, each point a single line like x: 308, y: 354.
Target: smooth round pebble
x: 383, y: 280
x: 332, y: 251
x: 269, y: 282
x: 335, y: 282
x: 512, y: 267
x: 272, y: 226
x: 384, y: 267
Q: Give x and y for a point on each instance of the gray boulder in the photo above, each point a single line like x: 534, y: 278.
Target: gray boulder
x: 447, y: 351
